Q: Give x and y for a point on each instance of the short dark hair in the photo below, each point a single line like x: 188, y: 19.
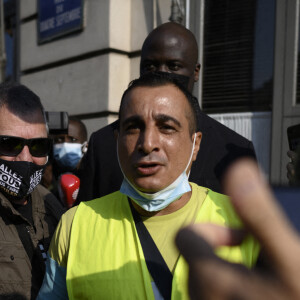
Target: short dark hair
x: 20, y: 100
x: 156, y: 79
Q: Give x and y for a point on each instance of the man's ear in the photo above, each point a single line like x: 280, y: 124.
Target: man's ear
x: 197, y: 145
x: 84, y: 147
x: 196, y: 72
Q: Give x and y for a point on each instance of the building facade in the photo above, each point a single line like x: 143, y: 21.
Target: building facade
x: 248, y: 51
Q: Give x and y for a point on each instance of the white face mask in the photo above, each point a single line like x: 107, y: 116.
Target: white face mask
x: 161, y: 199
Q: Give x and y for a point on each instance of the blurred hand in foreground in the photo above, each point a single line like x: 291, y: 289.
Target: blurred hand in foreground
x: 212, y: 278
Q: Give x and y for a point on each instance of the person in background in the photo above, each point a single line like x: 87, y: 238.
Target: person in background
x: 173, y: 49
x: 105, y: 248
x: 29, y: 213
x: 68, y: 150
x: 212, y: 278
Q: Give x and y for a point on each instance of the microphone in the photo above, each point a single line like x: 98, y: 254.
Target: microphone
x: 70, y: 187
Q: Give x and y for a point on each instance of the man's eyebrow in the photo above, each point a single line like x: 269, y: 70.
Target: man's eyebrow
x: 132, y: 119
x: 148, y: 60
x: 166, y: 118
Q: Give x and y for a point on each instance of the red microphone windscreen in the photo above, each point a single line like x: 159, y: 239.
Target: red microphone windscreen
x: 70, y: 186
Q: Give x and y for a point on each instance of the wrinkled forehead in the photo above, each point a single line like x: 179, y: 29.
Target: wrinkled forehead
x: 156, y: 99
x: 35, y: 116
x: 27, y: 126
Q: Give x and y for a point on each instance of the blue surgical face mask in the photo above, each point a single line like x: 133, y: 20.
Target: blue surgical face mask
x: 67, y: 155
x: 161, y: 199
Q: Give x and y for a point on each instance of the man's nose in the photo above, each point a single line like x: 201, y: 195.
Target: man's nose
x: 163, y: 68
x: 24, y: 155
x: 149, y: 141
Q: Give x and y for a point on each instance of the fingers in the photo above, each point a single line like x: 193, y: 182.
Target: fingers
x: 212, y: 278
x: 254, y: 203
x: 209, y: 276
x: 193, y: 246
x: 215, y: 235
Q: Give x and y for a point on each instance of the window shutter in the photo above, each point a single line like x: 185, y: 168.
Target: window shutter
x: 230, y: 58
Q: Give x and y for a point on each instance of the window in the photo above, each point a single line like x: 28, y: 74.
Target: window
x: 238, y: 55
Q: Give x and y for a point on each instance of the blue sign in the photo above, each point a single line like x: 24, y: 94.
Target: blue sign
x: 58, y: 17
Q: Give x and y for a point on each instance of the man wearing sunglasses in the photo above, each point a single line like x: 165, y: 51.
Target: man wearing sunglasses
x: 29, y: 213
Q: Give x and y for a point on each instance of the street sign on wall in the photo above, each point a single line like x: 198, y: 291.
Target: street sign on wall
x: 58, y: 17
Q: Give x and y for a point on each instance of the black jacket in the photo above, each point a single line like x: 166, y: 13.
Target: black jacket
x: 100, y: 173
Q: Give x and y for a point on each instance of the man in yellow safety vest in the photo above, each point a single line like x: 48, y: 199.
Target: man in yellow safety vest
x: 121, y: 246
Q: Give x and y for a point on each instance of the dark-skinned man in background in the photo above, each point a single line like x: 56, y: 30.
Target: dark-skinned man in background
x: 68, y: 150
x: 168, y: 48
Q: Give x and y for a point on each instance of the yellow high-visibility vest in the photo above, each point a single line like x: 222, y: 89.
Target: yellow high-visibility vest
x: 106, y: 261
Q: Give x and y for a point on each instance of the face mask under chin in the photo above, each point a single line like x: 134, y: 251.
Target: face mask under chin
x: 161, y: 199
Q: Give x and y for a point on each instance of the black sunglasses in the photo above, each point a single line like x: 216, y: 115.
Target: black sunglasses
x: 13, y: 145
